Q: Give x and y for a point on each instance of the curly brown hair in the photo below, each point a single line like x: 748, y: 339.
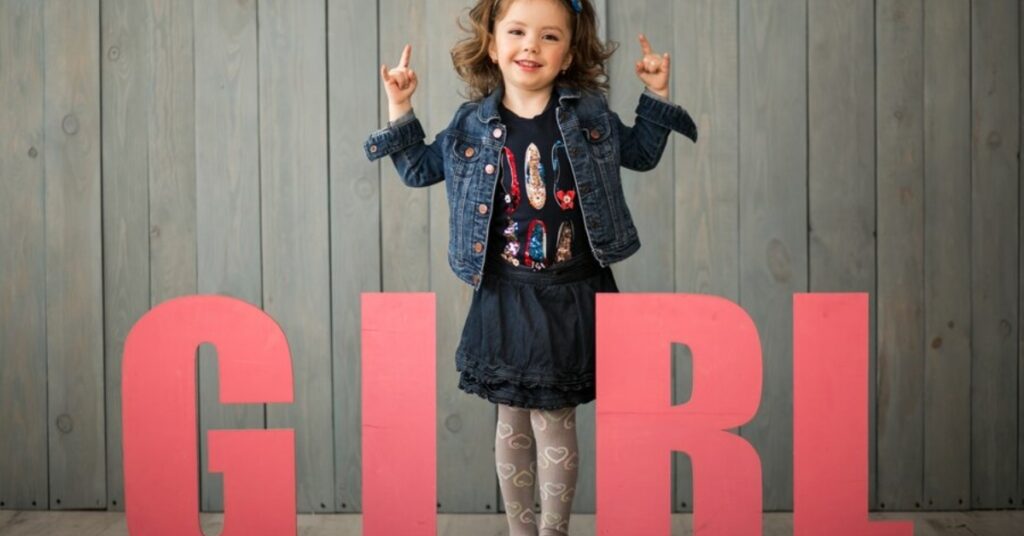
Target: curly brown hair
x: 473, y: 65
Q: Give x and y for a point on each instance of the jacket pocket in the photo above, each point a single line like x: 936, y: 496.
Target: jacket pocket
x: 465, y: 153
x: 597, y: 131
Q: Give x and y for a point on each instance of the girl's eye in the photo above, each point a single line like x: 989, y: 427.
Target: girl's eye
x: 551, y: 37
x: 515, y: 32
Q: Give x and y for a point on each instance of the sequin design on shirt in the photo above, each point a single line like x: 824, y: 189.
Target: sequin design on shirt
x: 536, y: 190
x: 512, y: 198
x: 537, y: 245
x: 564, y: 251
x: 564, y: 198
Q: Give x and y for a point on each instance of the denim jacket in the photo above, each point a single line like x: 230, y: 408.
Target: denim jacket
x: 466, y: 156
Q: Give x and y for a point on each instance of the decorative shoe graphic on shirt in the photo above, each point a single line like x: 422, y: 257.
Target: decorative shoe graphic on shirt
x: 536, y: 245
x: 511, y: 251
x: 564, y: 251
x: 562, y: 197
x: 512, y: 194
x: 535, y: 188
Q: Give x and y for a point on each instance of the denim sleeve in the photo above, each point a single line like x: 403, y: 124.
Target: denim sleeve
x: 642, y: 145
x: 418, y: 164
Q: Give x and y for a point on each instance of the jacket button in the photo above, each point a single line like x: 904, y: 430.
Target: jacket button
x: 478, y: 247
x: 373, y: 148
x: 476, y: 279
x: 497, y: 133
x: 489, y: 168
x: 470, y: 152
x: 482, y: 209
x: 594, y: 134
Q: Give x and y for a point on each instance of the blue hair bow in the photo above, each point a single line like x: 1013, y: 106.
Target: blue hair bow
x: 577, y: 5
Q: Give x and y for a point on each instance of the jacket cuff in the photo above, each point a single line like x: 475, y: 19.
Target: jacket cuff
x: 404, y: 132
x: 403, y: 119
x: 666, y: 114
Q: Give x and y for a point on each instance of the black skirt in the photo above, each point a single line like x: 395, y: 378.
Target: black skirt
x: 528, y: 340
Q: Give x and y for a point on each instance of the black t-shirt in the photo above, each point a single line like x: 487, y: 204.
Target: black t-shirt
x: 537, y: 221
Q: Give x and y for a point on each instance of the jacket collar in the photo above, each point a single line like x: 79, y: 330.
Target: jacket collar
x: 488, y: 109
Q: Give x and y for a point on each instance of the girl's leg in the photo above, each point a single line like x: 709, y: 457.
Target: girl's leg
x: 514, y: 458
x: 557, y: 467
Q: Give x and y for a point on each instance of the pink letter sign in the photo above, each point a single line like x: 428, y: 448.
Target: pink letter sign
x: 830, y: 418
x: 638, y: 427
x: 159, y: 418
x: 399, y: 415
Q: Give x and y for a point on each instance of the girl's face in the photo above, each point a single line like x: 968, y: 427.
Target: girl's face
x: 531, y: 43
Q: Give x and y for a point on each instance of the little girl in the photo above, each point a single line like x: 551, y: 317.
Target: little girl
x: 537, y: 214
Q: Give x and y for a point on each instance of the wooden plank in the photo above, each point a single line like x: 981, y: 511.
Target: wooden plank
x: 841, y: 158
x: 295, y: 229
x: 23, y: 465
x: 227, y: 197
x: 126, y: 76
x: 900, y: 300
x: 947, y: 250
x: 355, y: 227
x: 405, y: 219
x: 467, y: 481
x: 773, y: 217
x: 586, y: 497
x: 706, y: 83
x: 74, y: 269
x: 650, y: 195
x: 994, y: 254
x: 172, y: 165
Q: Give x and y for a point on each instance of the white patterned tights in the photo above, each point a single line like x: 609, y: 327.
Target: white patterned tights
x: 534, y: 445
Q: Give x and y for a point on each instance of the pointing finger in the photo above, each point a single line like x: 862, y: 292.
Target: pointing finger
x: 406, y: 52
x: 645, y: 45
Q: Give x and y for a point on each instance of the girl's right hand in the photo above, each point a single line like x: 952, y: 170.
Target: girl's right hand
x: 400, y: 82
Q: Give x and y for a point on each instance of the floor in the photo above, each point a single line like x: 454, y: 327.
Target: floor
x: 23, y: 523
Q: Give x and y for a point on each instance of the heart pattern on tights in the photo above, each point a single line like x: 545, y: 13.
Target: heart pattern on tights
x: 520, y: 441
x: 506, y: 470
x: 523, y: 479
x: 504, y: 430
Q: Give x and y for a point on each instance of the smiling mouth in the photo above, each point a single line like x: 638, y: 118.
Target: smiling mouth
x: 528, y: 64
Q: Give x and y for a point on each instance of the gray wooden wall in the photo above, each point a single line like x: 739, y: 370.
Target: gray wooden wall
x: 155, y: 148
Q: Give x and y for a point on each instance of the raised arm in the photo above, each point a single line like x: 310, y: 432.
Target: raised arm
x: 642, y: 145
x: 418, y: 164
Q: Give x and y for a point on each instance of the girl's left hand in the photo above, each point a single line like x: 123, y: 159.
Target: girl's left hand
x: 653, y: 68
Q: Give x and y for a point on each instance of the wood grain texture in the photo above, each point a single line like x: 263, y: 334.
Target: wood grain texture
x: 227, y: 198
x: 405, y: 217
x: 994, y: 259
x: 126, y: 75
x: 172, y: 161
x: 900, y: 203
x: 947, y: 254
x: 705, y: 82
x: 355, y: 223
x: 295, y: 229
x: 650, y: 195
x: 74, y: 264
x: 773, y: 216
x: 23, y: 444
x: 466, y: 476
